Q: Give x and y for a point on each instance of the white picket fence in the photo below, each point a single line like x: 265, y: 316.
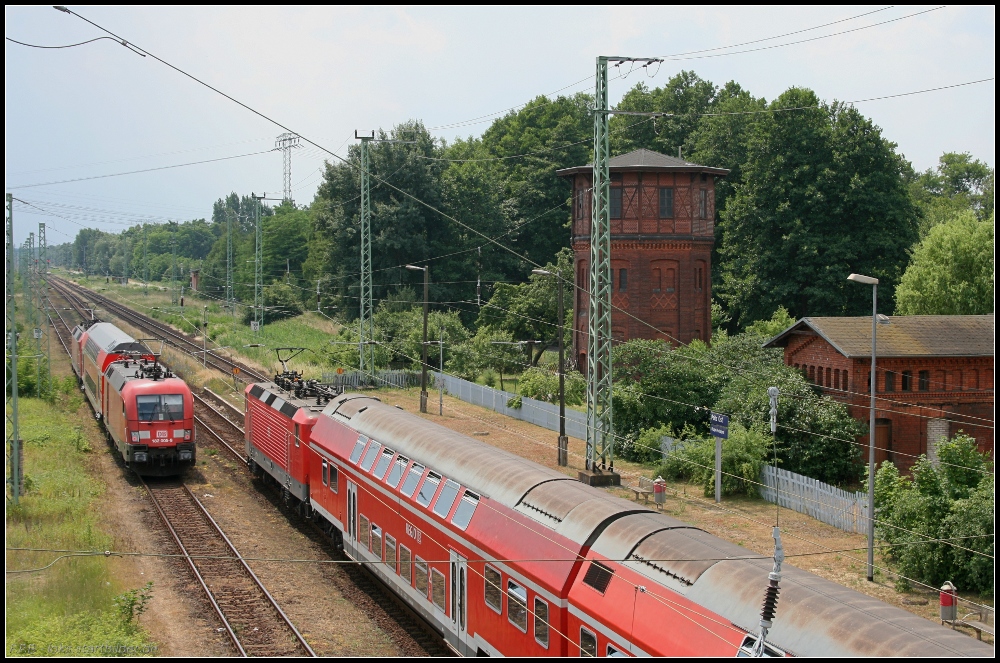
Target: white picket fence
x: 829, y: 504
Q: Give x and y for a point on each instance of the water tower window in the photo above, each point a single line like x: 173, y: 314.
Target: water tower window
x: 622, y: 280
x: 616, y: 202
x: 666, y: 203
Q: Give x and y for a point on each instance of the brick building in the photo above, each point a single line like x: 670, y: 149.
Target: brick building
x: 662, y: 232
x: 933, y: 376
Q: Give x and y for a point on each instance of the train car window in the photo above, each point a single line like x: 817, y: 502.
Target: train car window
x: 467, y: 507
x: 334, y: 477
x: 377, y: 541
x: 297, y: 438
x: 390, y: 552
x: 517, y: 605
x: 442, y: 506
x: 397, y: 471
x: 420, y: 576
x: 370, y: 455
x: 428, y: 489
x: 598, y: 576
x: 588, y: 643
x: 614, y: 652
x: 746, y: 649
x: 410, y: 484
x: 364, y: 533
x: 383, y: 463
x: 542, y: 622
x: 438, y: 589
x: 359, y: 446
x: 405, y: 569
x: 493, y: 588
x: 160, y: 407
x: 325, y: 475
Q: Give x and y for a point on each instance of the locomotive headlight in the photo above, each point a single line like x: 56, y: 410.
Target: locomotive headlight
x: 140, y: 457
x: 185, y: 455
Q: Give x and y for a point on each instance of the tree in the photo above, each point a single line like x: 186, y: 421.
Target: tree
x: 822, y: 196
x: 959, y: 183
x: 952, y: 271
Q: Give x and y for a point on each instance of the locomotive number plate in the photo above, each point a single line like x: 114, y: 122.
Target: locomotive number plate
x: 414, y: 533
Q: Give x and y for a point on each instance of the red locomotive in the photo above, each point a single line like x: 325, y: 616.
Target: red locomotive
x: 148, y: 412
x: 503, y: 556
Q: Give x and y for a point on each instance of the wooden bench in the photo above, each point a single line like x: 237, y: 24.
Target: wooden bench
x: 981, y: 621
x: 644, y: 489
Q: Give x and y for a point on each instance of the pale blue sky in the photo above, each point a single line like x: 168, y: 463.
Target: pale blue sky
x: 326, y: 71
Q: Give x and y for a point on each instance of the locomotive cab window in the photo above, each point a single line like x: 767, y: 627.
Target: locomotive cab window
x: 334, y: 477
x: 493, y: 588
x: 412, y: 477
x: 428, y: 489
x: 383, y: 463
x: 359, y: 446
x: 397, y: 471
x: 517, y: 605
x: 467, y: 507
x: 160, y: 407
x: 325, y: 473
x: 444, y: 502
x: 370, y: 455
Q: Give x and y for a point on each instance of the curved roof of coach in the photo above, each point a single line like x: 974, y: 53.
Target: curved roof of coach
x: 819, y: 618
x: 111, y: 339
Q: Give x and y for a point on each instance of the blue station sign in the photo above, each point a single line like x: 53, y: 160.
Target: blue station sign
x: 719, y: 425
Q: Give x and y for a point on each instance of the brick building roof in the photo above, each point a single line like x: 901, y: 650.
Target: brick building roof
x: 903, y: 336
x: 646, y: 161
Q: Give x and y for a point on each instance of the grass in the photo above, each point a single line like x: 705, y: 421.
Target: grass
x: 68, y: 608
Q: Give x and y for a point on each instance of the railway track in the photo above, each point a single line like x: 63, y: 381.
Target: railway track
x: 256, y: 626
x: 221, y: 425
x: 183, y: 342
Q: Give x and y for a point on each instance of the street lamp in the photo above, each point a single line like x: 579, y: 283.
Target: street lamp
x: 873, y: 282
x: 423, y: 347
x: 563, y: 445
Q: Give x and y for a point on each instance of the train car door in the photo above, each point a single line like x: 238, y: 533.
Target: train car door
x: 352, y: 515
x: 459, y: 602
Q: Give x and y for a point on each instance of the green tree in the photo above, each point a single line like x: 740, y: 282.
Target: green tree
x: 952, y: 271
x: 822, y: 195
x: 959, y: 183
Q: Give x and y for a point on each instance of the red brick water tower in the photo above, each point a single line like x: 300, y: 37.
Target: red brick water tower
x: 662, y: 232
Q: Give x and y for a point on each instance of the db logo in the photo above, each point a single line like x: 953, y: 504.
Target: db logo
x: 414, y: 533
x: 161, y: 433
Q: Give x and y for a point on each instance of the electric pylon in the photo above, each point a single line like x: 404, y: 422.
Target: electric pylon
x: 174, y: 298
x: 42, y: 284
x: 230, y: 304
x: 258, y: 271
x: 367, y: 321
x: 13, y: 441
x: 145, y: 262
x: 124, y: 258
x: 286, y: 143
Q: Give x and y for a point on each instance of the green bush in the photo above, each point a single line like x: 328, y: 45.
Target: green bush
x: 543, y: 385
x: 951, y: 501
x: 744, y: 455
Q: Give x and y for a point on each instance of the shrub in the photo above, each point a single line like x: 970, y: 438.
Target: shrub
x: 543, y: 385
x: 744, y: 455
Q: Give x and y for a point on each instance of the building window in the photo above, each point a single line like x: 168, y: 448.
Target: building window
x: 890, y: 381
x: 493, y: 588
x: 828, y: 382
x: 666, y: 203
x: 924, y: 380
x: 622, y: 280
x: 907, y: 381
x: 836, y: 378
x: 657, y: 280
x: 616, y: 202
x: 580, y: 200
x: 812, y: 374
x: 517, y: 605
x: 698, y: 276
x: 702, y: 203
x: 541, y: 622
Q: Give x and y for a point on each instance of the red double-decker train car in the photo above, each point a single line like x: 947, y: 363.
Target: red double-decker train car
x: 503, y: 556
x: 147, y: 411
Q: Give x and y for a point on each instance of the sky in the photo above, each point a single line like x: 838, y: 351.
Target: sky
x: 324, y: 72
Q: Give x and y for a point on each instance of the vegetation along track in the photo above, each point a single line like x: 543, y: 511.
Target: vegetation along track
x: 75, y: 295
x: 255, y: 624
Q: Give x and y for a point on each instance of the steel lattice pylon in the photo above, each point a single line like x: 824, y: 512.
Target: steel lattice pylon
x: 286, y: 143
x: 11, y: 428
x: 41, y: 286
x: 229, y: 262
x: 258, y: 274
x: 600, y: 437
x: 367, y: 323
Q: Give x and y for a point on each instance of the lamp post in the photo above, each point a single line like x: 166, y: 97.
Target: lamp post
x: 563, y: 444
x: 423, y: 346
x: 873, y: 282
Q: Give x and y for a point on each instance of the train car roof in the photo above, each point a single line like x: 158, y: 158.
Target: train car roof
x: 111, y: 339
x: 815, y: 617
x: 284, y: 401
x: 118, y: 375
